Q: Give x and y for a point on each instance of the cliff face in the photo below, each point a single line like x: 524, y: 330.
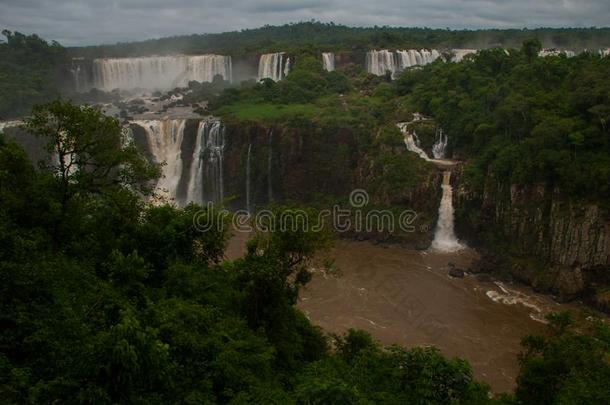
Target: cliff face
x: 567, y: 241
x: 312, y: 165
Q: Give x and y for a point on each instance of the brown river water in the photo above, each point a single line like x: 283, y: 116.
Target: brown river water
x: 406, y: 297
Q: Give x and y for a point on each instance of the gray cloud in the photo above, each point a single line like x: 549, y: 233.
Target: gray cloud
x: 83, y: 22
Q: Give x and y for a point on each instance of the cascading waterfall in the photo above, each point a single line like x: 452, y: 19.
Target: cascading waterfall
x: 213, y: 155
x: 556, y: 52
x: 410, y: 141
x: 328, y: 59
x: 164, y: 139
x: 444, y: 236
x: 248, y: 161
x: 158, y: 72
x: 195, y: 186
x: 273, y: 66
x: 439, y: 147
x: 382, y: 61
x: 460, y: 54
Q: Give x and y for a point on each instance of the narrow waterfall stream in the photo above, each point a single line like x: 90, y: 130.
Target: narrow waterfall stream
x: 444, y: 236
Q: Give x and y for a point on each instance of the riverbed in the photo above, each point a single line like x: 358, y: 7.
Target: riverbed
x: 406, y: 297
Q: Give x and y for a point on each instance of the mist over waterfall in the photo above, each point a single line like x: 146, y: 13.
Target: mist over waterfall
x: 382, y: 61
x: 460, y: 54
x: 155, y: 72
x: 444, y: 236
x: 164, y: 141
x: 273, y: 66
x: 328, y: 59
x: 440, y: 146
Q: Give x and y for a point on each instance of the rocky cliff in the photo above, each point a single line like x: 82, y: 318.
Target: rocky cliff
x: 539, y: 236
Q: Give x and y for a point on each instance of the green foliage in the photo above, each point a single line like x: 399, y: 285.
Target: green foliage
x: 29, y: 68
x: 527, y: 119
x: 568, y: 366
x: 313, y: 36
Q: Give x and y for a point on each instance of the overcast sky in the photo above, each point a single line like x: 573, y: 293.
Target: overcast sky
x: 85, y: 22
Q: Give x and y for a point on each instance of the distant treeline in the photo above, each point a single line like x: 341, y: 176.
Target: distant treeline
x: 330, y: 36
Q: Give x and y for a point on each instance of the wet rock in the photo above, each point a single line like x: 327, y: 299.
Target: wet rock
x: 569, y: 283
x: 484, y: 277
x: 457, y: 273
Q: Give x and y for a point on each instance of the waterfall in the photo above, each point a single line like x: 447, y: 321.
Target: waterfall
x: 273, y: 66
x: 439, y: 147
x: 164, y: 139
x: 248, y: 201
x: 410, y: 141
x: 213, y: 155
x: 328, y: 59
x: 459, y: 54
x: 556, y: 52
x: 158, y: 72
x: 444, y: 236
x: 195, y: 186
x: 380, y: 62
x: 269, y: 167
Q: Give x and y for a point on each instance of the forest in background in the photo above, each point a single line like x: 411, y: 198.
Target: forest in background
x: 320, y: 36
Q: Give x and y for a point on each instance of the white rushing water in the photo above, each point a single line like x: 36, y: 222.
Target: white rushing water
x: 273, y: 66
x: 411, y: 140
x: 460, y: 54
x: 328, y: 59
x: 203, y: 180
x: 556, y: 52
x: 156, y: 72
x: 444, y: 236
x: 378, y: 62
x: 215, y: 145
x: 164, y: 139
x: 440, y: 146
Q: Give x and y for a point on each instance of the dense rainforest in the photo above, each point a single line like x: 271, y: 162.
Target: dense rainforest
x: 29, y: 72
x: 107, y: 299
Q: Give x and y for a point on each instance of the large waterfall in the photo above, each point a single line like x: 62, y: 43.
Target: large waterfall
x: 164, y: 141
x: 201, y: 178
x: 444, y: 236
x: 439, y: 147
x: 328, y: 59
x: 273, y: 66
x: 380, y: 62
x: 156, y: 72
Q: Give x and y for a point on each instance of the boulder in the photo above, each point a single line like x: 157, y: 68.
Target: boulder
x: 457, y: 273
